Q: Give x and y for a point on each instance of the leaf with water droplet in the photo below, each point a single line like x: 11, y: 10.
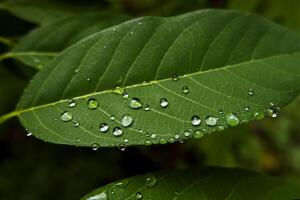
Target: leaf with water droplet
x: 219, y: 67
x: 196, y: 183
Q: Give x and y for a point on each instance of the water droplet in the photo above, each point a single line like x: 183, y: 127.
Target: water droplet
x: 112, y: 118
x: 164, y: 103
x: 198, y: 134
x: 175, y: 77
x: 88, y: 80
x: 272, y: 104
x: 126, y: 120
x: 138, y: 195
x: 131, y: 33
x: 148, y: 142
x: 75, y: 123
x: 162, y: 141
x: 251, y: 92
x: 211, y: 121
x: 147, y: 107
x: 76, y: 70
x: 125, y: 95
x: 92, y: 104
x: 259, y: 115
x: 71, y: 103
x: 114, y: 29
x: 95, y: 146
x: 272, y: 112
x: 103, y: 127
x: 66, y: 116
x: 140, y: 23
x: 135, y: 103
x: 117, y: 132
x: 118, y: 90
x: 221, y: 111
x: 186, y: 133
x: 122, y: 184
x: 247, y: 108
x: 153, y: 135
x: 101, y: 196
x: 122, y: 147
x: 28, y: 134
x: 185, y: 90
x: 220, y: 128
x: 126, y: 140
x: 150, y: 181
x: 196, y: 121
x: 232, y: 119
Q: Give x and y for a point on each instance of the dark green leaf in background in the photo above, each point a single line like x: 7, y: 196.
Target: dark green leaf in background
x: 199, y: 183
x: 232, y: 67
x: 45, y: 42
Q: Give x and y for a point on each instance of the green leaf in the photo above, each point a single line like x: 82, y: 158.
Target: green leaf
x: 46, y: 11
x: 238, y: 63
x: 41, y: 45
x: 198, y: 183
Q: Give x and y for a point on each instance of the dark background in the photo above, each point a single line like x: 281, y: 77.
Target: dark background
x: 32, y: 169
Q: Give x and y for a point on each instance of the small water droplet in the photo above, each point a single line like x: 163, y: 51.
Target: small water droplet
x: 198, y: 134
x: 140, y: 23
x: 147, y: 107
x: 71, y: 103
x: 118, y: 90
x: 272, y: 104
x: 131, y: 33
x: 125, y: 95
x: 76, y: 70
x: 28, y: 134
x: 75, y: 124
x: 185, y: 90
x: 232, y: 119
x: 164, y: 103
x: 175, y: 77
x: 153, y: 135
x: 92, y: 104
x: 95, y: 146
x: 162, y: 141
x: 150, y: 181
x: 126, y: 120
x: 259, y: 115
x: 251, y: 92
x: 148, y: 142
x: 66, y: 116
x: 114, y: 29
x: 117, y: 132
x: 88, y: 80
x: 135, y: 103
x: 138, y: 195
x: 196, y: 121
x: 112, y: 118
x: 272, y: 112
x: 122, y: 184
x: 122, y: 147
x: 186, y: 134
x: 126, y: 140
x: 247, y: 108
x: 221, y: 111
x: 220, y: 128
x: 103, y: 127
x: 211, y: 121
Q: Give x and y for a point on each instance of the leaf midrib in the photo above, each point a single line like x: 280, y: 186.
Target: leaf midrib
x: 154, y: 82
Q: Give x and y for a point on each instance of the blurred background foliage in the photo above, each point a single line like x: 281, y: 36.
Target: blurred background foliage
x: 32, y: 169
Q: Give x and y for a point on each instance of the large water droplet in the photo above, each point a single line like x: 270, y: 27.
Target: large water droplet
x: 71, y: 103
x: 117, y: 132
x: 232, y: 119
x: 126, y: 120
x: 211, y: 121
x: 259, y: 115
x: 95, y: 146
x: 138, y: 195
x: 150, y: 181
x: 185, y: 90
x: 196, y: 121
x: 92, y: 104
x: 66, y: 116
x: 135, y: 103
x: 272, y: 112
x: 251, y: 92
x: 164, y: 103
x: 103, y: 127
